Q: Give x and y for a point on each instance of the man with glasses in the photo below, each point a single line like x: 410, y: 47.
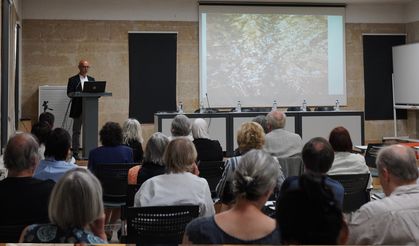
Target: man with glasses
x: 75, y: 84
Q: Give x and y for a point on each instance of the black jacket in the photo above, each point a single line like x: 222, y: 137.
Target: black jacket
x: 74, y: 85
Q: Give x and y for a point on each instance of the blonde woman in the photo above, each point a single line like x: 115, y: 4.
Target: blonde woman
x: 249, y: 136
x: 133, y: 137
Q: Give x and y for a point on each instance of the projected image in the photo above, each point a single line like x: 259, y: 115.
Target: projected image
x: 256, y: 58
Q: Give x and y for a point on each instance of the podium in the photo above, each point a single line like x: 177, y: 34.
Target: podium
x: 90, y: 113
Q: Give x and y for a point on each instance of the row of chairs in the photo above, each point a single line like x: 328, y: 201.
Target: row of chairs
x: 150, y: 224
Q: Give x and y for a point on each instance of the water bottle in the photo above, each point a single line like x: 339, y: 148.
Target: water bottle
x: 274, y: 106
x: 180, y: 108
x: 304, y: 106
x: 201, y: 108
x: 337, y: 105
x: 238, y: 107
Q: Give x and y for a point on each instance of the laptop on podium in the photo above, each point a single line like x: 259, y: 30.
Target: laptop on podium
x: 94, y: 86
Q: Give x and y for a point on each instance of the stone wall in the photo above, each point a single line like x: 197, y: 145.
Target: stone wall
x: 52, y: 49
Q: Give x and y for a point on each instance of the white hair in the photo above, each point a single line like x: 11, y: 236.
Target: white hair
x: 200, y: 129
x: 131, y: 130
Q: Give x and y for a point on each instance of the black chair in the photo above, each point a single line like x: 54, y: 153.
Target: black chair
x: 291, y: 166
x: 10, y: 233
x: 212, y: 172
x: 158, y: 225
x: 356, y: 191
x: 371, y: 154
x: 114, y: 180
x: 324, y: 108
x: 131, y: 191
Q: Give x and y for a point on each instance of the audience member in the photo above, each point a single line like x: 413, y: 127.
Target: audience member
x: 57, y: 151
x: 153, y: 164
x: 41, y: 131
x: 346, y: 162
x: 261, y: 119
x: 180, y: 185
x: 393, y: 219
x: 24, y: 198
x: 75, y: 210
x: 208, y: 150
x: 133, y: 137
x: 47, y: 117
x: 310, y: 215
x: 181, y: 127
x: 111, y: 151
x: 253, y: 182
x: 249, y: 136
x: 280, y: 142
x: 318, y: 157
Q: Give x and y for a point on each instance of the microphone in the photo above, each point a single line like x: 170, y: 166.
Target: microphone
x: 209, y: 107
x: 209, y: 111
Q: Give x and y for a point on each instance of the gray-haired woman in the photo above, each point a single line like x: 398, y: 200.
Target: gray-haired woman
x: 253, y: 182
x: 153, y: 164
x: 75, y: 210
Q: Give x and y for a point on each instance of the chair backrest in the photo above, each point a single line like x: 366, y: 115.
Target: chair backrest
x: 10, y: 233
x: 371, y: 154
x: 113, y: 178
x: 212, y: 172
x: 162, y: 225
x: 356, y: 193
x: 291, y: 166
x: 131, y: 191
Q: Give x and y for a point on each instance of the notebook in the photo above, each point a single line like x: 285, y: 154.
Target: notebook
x: 94, y: 86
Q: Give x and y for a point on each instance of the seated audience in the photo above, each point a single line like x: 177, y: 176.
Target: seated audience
x: 261, y: 119
x: 253, y: 182
x: 181, y: 127
x: 208, y: 150
x: 111, y: 151
x: 180, y: 185
x: 57, y: 151
x: 75, y: 211
x: 309, y: 215
x: 47, y: 117
x: 41, y: 131
x: 249, y: 136
x: 346, y: 162
x: 393, y: 219
x: 24, y: 198
x: 318, y: 157
x: 133, y: 137
x: 153, y: 164
x: 280, y: 142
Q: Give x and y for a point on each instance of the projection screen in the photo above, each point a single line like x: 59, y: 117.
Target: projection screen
x: 257, y: 54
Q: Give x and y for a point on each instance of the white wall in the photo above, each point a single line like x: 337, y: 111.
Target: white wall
x: 187, y: 10
x: 412, y: 12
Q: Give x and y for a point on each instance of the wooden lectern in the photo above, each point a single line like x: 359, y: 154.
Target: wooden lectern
x: 90, y: 113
